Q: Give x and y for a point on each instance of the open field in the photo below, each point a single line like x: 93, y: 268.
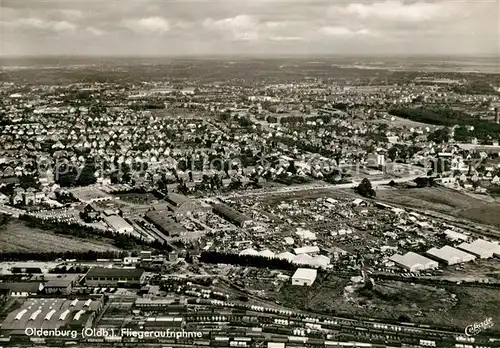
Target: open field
x: 487, y: 214
x: 15, y: 236
x: 433, y: 198
x: 445, y: 201
x: 454, y: 306
x: 403, y: 122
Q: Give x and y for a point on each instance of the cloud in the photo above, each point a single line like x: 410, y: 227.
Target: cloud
x: 286, y: 38
x: 148, y: 25
x: 343, y: 31
x: 267, y: 26
x: 94, y: 31
x: 36, y: 23
x: 397, y: 11
x: 72, y: 15
x: 239, y: 28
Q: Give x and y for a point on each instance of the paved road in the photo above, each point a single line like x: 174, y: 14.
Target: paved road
x: 309, y: 187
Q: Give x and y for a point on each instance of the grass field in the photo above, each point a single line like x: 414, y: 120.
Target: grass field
x: 445, y: 201
x: 455, y: 306
x: 15, y: 236
x: 433, y: 198
x: 403, y: 122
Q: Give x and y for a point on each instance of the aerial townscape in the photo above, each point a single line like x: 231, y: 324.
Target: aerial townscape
x: 248, y: 201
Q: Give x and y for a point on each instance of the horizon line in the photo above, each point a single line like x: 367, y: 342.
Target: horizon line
x: 255, y: 55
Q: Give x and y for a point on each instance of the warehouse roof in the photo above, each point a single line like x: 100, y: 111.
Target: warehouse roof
x: 177, y: 199
x: 477, y: 250
x: 286, y: 256
x: 321, y: 260
x: 117, y: 222
x: 305, y: 273
x: 115, y: 272
x: 49, y: 313
x: 411, y: 260
x: 303, y: 259
x: 490, y: 246
x: 249, y: 251
x: 267, y: 253
x: 163, y: 221
x: 306, y: 250
x: 30, y: 287
x: 451, y: 255
x: 230, y: 213
x: 455, y: 235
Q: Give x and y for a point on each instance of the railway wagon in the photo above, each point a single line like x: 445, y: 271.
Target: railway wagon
x: 347, y: 344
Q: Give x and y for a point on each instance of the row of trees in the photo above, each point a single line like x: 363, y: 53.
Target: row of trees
x: 448, y: 117
x: 215, y: 257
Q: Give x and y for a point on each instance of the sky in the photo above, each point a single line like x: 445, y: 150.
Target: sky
x: 249, y: 27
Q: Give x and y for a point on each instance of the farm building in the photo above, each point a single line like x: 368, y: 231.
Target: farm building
x: 165, y: 223
x: 232, y: 215
x: 414, y: 262
x: 100, y: 276
x: 450, y: 255
x: 476, y: 250
x: 118, y: 224
x: 304, y: 276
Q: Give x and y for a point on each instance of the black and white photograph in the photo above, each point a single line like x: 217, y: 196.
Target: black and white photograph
x: 250, y: 173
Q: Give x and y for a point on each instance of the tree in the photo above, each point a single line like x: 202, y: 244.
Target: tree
x: 392, y: 153
x: 404, y: 319
x: 365, y: 189
x: 439, y: 136
x: 424, y: 182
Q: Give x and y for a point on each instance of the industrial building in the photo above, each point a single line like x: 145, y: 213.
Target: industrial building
x: 52, y: 313
x: 490, y: 246
x: 304, y: 277
x: 455, y: 236
x: 477, y: 249
x: 450, y: 255
x: 63, y: 285
x: 306, y: 250
x: 165, y: 223
x: 100, y: 276
x: 414, y: 262
x: 180, y: 205
x: 118, y: 224
x: 232, y: 215
x: 20, y: 289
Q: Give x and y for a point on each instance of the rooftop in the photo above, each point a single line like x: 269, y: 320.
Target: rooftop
x: 115, y: 272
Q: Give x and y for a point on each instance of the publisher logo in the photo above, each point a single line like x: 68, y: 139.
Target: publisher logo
x: 476, y: 328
